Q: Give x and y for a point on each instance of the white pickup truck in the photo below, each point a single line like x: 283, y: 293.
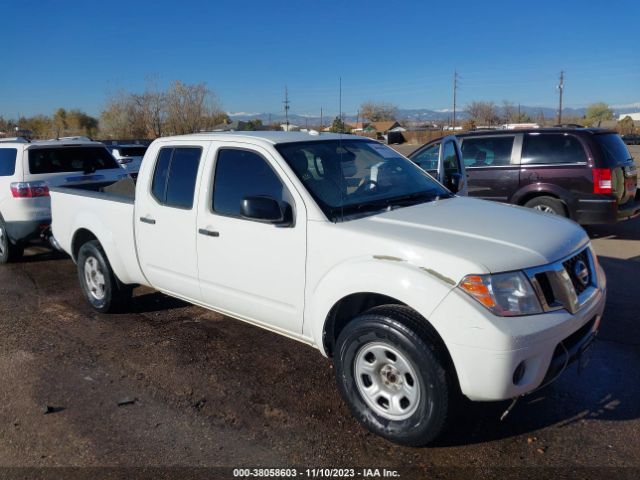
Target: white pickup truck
x: 417, y: 294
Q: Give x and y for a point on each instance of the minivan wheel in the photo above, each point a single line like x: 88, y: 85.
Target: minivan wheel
x: 8, y: 251
x: 100, y: 286
x: 394, y: 380
x: 548, y: 205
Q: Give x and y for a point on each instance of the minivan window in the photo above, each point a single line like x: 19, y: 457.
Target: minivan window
x: 8, y: 161
x: 427, y: 159
x: 240, y: 174
x: 487, y: 151
x: 552, y: 148
x: 70, y: 159
x: 613, y: 148
x: 174, y: 178
x: 450, y: 160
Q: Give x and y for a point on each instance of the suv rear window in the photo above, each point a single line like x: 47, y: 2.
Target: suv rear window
x: 70, y: 159
x: 552, y: 148
x: 8, y: 161
x: 132, y: 151
x: 613, y: 149
x: 487, y: 151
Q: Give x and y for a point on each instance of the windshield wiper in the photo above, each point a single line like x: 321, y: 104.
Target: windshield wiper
x: 393, y: 202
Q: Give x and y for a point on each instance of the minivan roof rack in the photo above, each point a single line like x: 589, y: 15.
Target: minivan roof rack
x: 568, y: 125
x: 15, y: 140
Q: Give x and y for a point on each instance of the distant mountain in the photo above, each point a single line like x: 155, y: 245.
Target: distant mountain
x: 422, y: 115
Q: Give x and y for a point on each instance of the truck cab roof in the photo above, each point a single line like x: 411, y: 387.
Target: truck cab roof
x: 272, y: 137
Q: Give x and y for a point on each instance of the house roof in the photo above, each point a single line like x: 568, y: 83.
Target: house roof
x: 384, y: 126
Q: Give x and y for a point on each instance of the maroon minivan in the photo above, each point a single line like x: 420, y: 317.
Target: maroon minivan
x: 585, y: 174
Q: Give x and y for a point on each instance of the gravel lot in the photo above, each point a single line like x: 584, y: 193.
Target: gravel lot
x: 204, y: 390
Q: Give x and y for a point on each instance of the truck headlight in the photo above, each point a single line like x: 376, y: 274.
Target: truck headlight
x: 504, y: 294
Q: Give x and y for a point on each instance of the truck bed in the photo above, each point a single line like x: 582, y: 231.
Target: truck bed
x: 107, y: 215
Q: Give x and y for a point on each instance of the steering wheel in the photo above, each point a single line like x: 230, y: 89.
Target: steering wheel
x: 362, y: 187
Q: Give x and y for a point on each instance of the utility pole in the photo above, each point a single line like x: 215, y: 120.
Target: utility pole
x: 286, y: 106
x: 321, y: 122
x: 560, y: 89
x: 455, y: 92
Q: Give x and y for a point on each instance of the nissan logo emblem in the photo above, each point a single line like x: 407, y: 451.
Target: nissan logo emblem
x: 581, y: 271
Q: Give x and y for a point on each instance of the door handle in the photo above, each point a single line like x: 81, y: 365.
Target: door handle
x: 148, y: 220
x: 208, y: 233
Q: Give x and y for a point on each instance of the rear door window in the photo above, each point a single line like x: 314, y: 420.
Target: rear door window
x: 174, y: 177
x: 614, y: 150
x: 70, y: 159
x: 552, y: 148
x: 8, y: 161
x: 487, y: 151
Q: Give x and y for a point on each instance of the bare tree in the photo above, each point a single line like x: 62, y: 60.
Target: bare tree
x: 378, y: 112
x: 191, y: 108
x: 483, y: 113
x: 509, y: 112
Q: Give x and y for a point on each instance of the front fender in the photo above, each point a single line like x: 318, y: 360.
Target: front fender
x: 419, y: 287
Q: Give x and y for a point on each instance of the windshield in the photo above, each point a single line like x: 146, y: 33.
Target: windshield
x: 356, y: 177
x: 70, y: 159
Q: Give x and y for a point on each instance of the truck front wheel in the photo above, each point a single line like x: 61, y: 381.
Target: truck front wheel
x: 393, y: 378
x: 100, y: 286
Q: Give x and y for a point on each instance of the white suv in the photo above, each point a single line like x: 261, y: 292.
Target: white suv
x: 28, y: 169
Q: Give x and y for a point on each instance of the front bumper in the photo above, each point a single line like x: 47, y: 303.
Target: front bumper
x: 486, y: 350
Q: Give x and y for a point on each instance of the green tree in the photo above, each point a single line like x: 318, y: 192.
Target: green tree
x: 338, y: 126
x: 598, y: 113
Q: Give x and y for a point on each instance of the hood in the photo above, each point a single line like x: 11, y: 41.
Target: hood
x: 461, y: 233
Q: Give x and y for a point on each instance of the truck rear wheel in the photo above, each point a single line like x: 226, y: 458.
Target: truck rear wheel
x: 395, y: 381
x: 8, y: 251
x: 101, y: 288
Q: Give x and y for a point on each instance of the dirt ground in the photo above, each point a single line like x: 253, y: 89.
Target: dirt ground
x: 175, y: 385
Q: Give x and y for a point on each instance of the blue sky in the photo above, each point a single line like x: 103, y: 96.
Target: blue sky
x: 75, y: 54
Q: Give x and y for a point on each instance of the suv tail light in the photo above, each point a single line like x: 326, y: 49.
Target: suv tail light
x: 602, y: 180
x: 29, y: 189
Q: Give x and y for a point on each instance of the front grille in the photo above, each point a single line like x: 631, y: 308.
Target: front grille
x: 581, y: 259
x: 545, y: 286
x: 567, y: 284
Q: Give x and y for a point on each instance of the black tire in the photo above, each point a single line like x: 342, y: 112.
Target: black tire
x: 113, y: 296
x: 546, y: 204
x: 405, y: 335
x: 9, y: 252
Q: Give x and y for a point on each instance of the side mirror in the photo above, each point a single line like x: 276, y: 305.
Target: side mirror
x: 456, y: 182
x: 264, y: 209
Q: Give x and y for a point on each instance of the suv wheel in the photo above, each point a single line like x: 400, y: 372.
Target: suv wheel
x: 100, y: 286
x: 8, y: 251
x: 395, y: 381
x: 548, y: 205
